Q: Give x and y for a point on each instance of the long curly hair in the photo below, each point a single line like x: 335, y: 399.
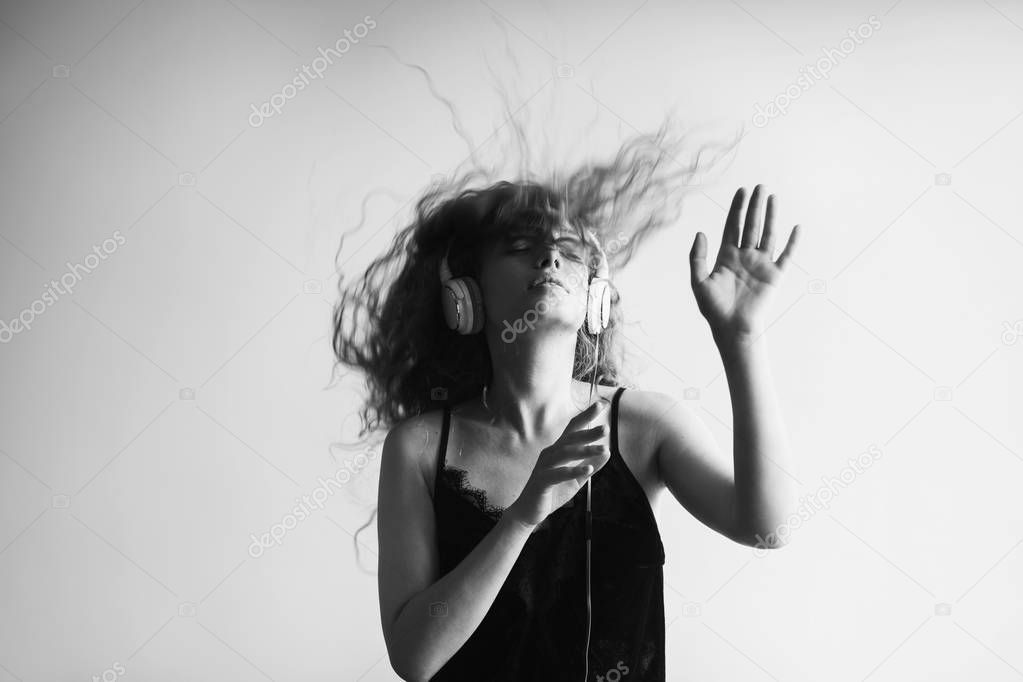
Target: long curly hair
x: 389, y: 322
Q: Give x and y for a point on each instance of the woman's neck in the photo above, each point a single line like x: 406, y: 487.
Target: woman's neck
x: 532, y: 391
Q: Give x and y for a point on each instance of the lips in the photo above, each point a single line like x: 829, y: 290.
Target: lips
x: 548, y: 280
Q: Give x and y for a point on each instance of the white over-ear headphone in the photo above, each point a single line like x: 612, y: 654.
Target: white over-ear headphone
x: 598, y: 296
x: 462, y: 300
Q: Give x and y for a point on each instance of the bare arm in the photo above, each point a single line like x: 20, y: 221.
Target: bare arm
x: 748, y: 496
x: 735, y: 298
x: 765, y: 492
x: 426, y: 620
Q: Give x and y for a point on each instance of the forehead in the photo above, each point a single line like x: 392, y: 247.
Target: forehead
x: 536, y: 224
x: 534, y: 216
x: 562, y: 235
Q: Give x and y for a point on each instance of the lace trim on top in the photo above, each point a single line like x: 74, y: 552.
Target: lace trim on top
x: 458, y: 479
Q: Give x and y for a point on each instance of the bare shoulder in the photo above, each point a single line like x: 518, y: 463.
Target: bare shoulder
x: 414, y: 440
x: 658, y: 413
x: 655, y: 417
x: 640, y: 423
x: 645, y: 407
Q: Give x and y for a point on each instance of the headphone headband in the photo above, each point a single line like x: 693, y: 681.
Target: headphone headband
x: 445, y: 270
x: 603, y: 270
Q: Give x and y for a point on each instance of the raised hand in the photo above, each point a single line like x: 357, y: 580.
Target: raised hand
x: 734, y: 296
x: 554, y: 481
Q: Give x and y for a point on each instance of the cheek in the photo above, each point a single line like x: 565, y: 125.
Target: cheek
x: 502, y: 292
x: 577, y: 280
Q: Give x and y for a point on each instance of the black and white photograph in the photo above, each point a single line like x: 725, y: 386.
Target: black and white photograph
x: 496, y: 341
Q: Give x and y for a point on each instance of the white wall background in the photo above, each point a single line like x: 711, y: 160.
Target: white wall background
x: 127, y: 503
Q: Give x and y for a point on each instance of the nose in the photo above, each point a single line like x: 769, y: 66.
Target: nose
x: 548, y: 257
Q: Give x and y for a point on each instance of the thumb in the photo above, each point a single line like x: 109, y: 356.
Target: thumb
x: 698, y: 270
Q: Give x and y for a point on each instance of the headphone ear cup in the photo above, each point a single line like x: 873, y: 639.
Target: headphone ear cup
x: 605, y: 306
x: 462, y: 302
x: 477, y: 316
x: 598, y: 306
x: 449, y: 303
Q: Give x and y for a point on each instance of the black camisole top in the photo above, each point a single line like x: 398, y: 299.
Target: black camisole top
x: 536, y: 627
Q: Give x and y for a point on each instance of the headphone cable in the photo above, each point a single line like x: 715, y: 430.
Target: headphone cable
x: 589, y: 530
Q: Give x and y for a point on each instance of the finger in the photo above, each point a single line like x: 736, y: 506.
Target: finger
x: 586, y: 415
x: 579, y: 473
x: 572, y: 443
x: 583, y: 470
x: 698, y: 269
x: 751, y: 231
x: 789, y: 249
x: 558, y: 457
x: 767, y: 239
x: 732, y: 222
x: 585, y: 435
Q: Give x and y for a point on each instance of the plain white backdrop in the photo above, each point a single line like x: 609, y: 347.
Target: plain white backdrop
x: 172, y: 403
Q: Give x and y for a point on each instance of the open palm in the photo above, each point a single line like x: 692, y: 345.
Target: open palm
x: 734, y: 296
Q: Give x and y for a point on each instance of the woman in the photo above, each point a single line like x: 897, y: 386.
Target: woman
x: 494, y: 432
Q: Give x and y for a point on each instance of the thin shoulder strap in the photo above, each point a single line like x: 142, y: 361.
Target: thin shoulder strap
x: 442, y: 449
x: 614, y: 420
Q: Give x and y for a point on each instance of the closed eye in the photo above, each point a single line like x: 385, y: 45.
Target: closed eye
x: 570, y: 250
x: 573, y: 255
